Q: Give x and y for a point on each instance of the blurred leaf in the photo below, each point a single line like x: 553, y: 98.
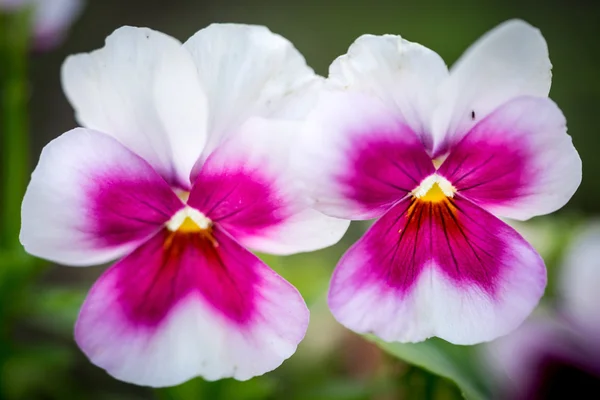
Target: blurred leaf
x: 199, y: 389
x: 36, y: 372
x: 57, y: 308
x: 457, y: 363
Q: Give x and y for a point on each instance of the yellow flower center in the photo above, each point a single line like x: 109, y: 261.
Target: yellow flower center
x: 434, y: 189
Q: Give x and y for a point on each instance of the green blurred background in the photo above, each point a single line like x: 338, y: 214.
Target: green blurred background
x: 38, y: 357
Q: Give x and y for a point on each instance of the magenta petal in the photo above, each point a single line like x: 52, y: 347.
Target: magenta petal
x: 447, y: 269
x: 185, y: 305
x: 359, y: 156
x: 518, y: 162
x: 248, y: 187
x: 91, y: 200
x: 242, y: 201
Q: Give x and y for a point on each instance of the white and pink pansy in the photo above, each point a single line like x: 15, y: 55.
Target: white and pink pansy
x: 181, y: 166
x: 439, y: 155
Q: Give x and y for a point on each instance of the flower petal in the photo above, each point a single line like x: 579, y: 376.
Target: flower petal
x: 358, y: 156
x: 249, y: 71
x: 509, y: 61
x: 142, y: 88
x: 91, y: 200
x: 518, y: 162
x: 580, y: 276
x: 180, y: 307
x: 248, y: 186
x: 446, y: 269
x: 405, y: 76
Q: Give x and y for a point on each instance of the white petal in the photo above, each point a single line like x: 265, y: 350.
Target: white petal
x: 249, y: 71
x: 580, y: 279
x: 404, y: 75
x: 142, y: 89
x: 509, y: 61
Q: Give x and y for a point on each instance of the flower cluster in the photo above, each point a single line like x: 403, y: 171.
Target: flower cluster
x: 191, y: 155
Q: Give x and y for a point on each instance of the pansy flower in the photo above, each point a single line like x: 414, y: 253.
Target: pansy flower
x: 182, y: 164
x: 555, y: 355
x: 438, y: 156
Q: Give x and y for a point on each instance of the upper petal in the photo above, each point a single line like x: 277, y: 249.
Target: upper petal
x: 518, y: 162
x: 405, y: 76
x: 91, y: 200
x: 448, y: 269
x: 142, y: 88
x: 248, y: 71
x: 250, y: 188
x: 358, y: 155
x: 509, y: 61
x: 180, y: 307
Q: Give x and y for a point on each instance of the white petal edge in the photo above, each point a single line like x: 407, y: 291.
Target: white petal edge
x: 248, y: 71
x: 509, y: 61
x: 403, y: 75
x: 142, y: 88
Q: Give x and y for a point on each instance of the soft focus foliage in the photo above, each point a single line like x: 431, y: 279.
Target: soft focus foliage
x: 39, y: 302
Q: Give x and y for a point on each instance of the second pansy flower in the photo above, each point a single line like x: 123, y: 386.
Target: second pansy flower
x: 439, y: 155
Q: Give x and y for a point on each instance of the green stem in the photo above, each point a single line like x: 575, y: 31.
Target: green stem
x: 14, y: 33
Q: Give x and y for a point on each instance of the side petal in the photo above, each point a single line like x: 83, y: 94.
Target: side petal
x: 249, y: 71
x: 405, y: 76
x: 580, y: 277
x: 446, y: 269
x: 91, y: 200
x: 509, y: 61
x: 249, y: 187
x: 518, y: 162
x: 142, y: 88
x: 358, y: 156
x: 179, y: 307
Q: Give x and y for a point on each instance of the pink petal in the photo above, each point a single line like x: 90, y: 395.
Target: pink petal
x: 518, y: 162
x: 91, y: 200
x: 180, y: 306
x: 248, y: 186
x: 359, y: 156
x: 447, y: 269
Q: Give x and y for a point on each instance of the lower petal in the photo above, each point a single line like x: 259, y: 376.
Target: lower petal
x: 446, y: 269
x: 180, y: 307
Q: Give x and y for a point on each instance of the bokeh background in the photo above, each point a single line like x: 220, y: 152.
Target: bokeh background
x: 38, y: 357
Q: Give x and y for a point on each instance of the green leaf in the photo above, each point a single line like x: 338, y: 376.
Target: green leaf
x: 457, y: 363
x: 255, y: 389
